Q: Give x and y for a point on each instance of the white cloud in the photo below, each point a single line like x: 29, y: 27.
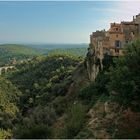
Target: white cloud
x: 128, y: 9
x: 120, y: 11
x: 117, y: 12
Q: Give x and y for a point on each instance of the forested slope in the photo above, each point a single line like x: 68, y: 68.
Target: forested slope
x: 9, y: 101
x: 20, y: 52
x: 59, y: 101
x: 9, y: 52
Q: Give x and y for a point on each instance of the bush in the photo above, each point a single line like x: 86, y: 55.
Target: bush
x: 36, y: 131
x: 41, y: 114
x: 60, y: 104
x: 129, y: 125
x: 95, y: 89
x: 75, y: 120
x: 87, y: 92
x: 108, y: 61
x: 5, y: 134
x: 85, y: 133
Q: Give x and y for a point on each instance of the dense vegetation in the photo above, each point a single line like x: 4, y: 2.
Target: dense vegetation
x: 77, y: 52
x: 9, y: 101
x: 125, y: 77
x: 44, y: 107
x: 10, y: 52
x: 44, y: 83
x: 44, y: 77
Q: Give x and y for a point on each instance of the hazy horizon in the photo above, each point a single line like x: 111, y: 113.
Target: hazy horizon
x: 40, y: 43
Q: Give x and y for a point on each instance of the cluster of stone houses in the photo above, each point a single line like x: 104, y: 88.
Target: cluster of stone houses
x: 110, y: 42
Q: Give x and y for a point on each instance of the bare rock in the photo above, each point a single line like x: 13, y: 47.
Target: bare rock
x: 101, y: 134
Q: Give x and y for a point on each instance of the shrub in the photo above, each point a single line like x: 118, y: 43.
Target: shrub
x: 36, y: 131
x: 75, y: 120
x: 85, y: 133
x: 5, y: 134
x: 95, y: 89
x: 60, y: 104
x: 125, y: 78
x: 129, y: 125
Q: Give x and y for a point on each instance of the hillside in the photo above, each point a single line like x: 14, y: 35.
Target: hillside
x: 59, y: 101
x: 58, y: 46
x: 10, y: 51
x: 9, y: 99
x: 46, y: 72
x: 51, y: 78
x: 77, y: 52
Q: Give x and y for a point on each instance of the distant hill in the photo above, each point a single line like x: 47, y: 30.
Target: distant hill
x: 19, y: 52
x: 67, y: 49
x: 58, y: 46
x: 8, y: 52
x: 78, y: 52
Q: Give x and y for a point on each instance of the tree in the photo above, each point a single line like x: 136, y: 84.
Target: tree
x: 74, y: 121
x: 125, y: 77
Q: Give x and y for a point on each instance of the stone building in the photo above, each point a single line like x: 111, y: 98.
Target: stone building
x: 110, y: 42
x: 137, y: 20
x: 116, y: 38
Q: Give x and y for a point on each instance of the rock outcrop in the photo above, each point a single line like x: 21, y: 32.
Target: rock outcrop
x: 104, y: 118
x: 93, y: 63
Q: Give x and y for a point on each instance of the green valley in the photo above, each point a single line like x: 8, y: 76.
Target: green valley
x: 53, y: 97
x: 9, y: 52
x: 13, y: 53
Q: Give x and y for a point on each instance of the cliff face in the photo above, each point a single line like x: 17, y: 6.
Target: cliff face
x: 114, y: 115
x: 93, y: 63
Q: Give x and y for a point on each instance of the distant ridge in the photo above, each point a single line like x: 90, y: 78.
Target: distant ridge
x: 58, y: 46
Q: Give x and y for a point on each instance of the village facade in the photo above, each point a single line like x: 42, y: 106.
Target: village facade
x: 113, y: 41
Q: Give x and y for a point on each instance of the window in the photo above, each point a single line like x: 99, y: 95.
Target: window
x: 117, y: 44
x: 116, y: 29
x: 132, y: 33
x: 116, y: 50
x: 116, y: 35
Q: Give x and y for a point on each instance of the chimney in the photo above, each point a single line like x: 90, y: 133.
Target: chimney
x: 133, y: 18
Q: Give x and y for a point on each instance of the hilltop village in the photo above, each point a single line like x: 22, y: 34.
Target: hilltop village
x: 110, y: 42
x: 64, y: 96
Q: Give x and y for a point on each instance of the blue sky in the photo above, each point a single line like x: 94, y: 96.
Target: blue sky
x: 60, y: 22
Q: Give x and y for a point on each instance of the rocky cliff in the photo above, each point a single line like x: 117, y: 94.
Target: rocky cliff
x: 93, y: 63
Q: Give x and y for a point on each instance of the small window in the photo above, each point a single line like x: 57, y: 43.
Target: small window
x: 116, y: 29
x: 132, y: 33
x: 117, y: 43
x: 116, y: 35
x: 116, y: 50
